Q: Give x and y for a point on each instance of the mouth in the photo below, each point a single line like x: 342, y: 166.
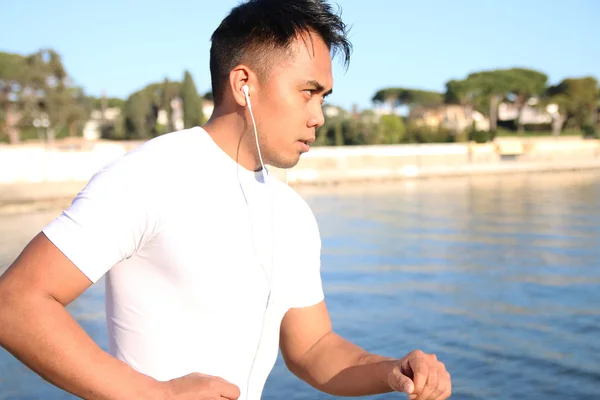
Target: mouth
x: 307, y: 142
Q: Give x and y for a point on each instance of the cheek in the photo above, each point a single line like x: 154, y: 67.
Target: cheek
x: 284, y: 112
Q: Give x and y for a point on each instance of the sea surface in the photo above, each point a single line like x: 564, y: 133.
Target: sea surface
x: 498, y: 276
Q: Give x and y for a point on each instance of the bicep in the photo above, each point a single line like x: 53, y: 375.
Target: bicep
x: 43, y: 270
x: 301, y: 329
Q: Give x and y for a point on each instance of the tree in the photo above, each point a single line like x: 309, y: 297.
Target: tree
x: 367, y: 128
x: 460, y: 93
x: 138, y: 116
x: 387, y: 96
x: 11, y: 77
x: 395, y: 97
x: 165, y: 104
x: 483, y: 90
x: 392, y: 129
x: 142, y: 108
x: 37, y: 87
x: 192, y: 102
x: 577, y: 100
x: 524, y: 84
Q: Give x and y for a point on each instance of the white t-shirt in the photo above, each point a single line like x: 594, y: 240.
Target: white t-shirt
x: 189, y: 241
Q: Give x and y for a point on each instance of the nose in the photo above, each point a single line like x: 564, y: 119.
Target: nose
x: 317, y: 118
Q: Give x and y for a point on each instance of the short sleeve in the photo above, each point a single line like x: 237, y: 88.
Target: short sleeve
x: 110, y: 219
x: 307, y: 286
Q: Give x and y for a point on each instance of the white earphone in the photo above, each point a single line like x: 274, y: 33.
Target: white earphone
x: 269, y: 277
x: 246, y: 91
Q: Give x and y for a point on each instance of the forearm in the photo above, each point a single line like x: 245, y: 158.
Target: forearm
x: 340, y: 368
x: 41, y: 334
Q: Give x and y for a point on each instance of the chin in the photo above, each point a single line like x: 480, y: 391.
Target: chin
x: 286, y: 163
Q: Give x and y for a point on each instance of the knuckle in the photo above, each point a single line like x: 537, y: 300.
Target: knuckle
x: 418, y: 353
x: 447, y: 392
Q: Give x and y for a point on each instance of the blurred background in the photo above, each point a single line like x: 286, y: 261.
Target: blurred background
x: 456, y: 179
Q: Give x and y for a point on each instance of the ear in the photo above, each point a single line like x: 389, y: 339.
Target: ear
x: 238, y: 77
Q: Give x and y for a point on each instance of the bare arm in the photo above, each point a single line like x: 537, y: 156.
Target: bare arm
x: 326, y: 361
x: 39, y: 331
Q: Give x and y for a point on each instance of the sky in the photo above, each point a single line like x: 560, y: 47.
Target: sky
x: 120, y: 46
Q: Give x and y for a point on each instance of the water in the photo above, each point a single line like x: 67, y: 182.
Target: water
x: 500, y: 277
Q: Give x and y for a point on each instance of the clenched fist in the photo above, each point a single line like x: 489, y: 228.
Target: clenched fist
x: 200, y: 387
x: 421, y: 376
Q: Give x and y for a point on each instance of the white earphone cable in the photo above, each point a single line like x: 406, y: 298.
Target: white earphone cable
x: 255, y: 134
x: 269, y: 276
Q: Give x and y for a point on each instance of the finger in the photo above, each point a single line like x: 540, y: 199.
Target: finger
x: 400, y: 382
x: 446, y: 387
x: 227, y: 390
x: 420, y: 374
x: 442, y: 384
x: 430, y: 388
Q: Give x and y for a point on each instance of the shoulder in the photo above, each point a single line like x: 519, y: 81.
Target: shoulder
x: 171, y: 145
x: 157, y: 158
x: 297, y: 210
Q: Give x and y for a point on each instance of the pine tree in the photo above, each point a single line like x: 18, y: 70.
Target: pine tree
x: 192, y: 102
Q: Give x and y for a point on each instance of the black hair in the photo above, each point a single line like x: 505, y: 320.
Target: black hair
x: 256, y: 29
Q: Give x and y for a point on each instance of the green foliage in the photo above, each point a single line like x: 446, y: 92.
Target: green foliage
x: 13, y: 68
x: 480, y: 136
x: 337, y: 131
x: 37, y: 86
x: 456, y: 92
x: 97, y: 103
x: 392, y: 129
x: 140, y: 116
x: 577, y: 98
x: 590, y: 132
x: 338, y: 134
x: 192, y: 102
x: 366, y: 129
x: 484, y: 90
x: 427, y: 134
x: 407, y: 97
x: 115, y: 130
x: 141, y: 109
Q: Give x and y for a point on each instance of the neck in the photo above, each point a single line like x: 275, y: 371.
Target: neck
x: 235, y: 136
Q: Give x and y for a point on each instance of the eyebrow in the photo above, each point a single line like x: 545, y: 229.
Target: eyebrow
x: 318, y: 87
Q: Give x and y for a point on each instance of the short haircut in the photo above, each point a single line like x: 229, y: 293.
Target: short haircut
x: 258, y: 29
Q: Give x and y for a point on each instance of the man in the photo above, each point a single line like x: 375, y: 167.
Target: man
x: 210, y: 262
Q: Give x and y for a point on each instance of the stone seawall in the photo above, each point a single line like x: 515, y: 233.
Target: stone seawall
x: 368, y: 163
x: 31, y: 174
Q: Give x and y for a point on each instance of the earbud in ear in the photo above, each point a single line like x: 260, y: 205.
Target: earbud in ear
x: 247, y: 93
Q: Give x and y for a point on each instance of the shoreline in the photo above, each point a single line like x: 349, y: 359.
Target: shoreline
x: 33, y: 178
x: 24, y: 197
x: 365, y: 177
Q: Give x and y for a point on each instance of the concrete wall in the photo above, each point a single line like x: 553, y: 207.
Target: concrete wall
x: 34, y: 164
x: 20, y: 164
x: 326, y: 165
